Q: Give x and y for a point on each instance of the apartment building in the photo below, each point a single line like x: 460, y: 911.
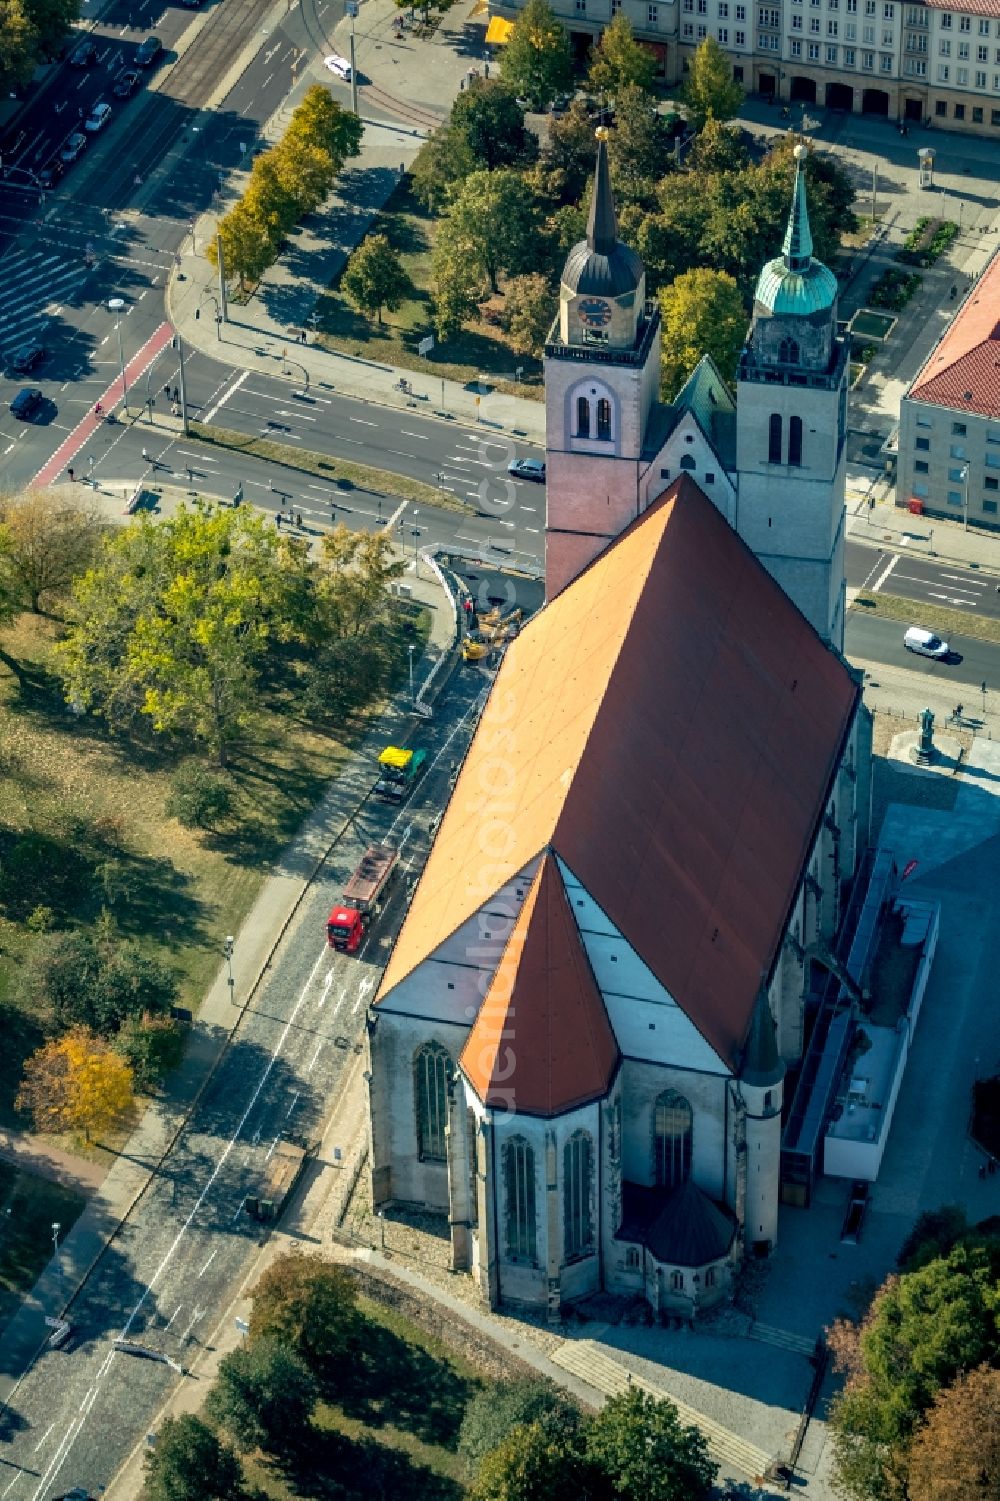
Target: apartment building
x: 949, y: 419
x: 929, y: 60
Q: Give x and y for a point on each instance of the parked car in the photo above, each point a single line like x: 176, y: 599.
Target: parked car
x: 925, y: 643
x: 339, y: 66
x: 74, y: 146
x: 126, y: 84
x: 857, y: 1208
x: 84, y: 56
x: 26, y: 359
x: 533, y: 469
x: 98, y: 117
x: 50, y: 173
x: 26, y: 403
x: 148, y: 51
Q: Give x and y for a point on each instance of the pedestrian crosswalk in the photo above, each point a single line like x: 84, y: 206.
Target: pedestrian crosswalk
x: 35, y: 284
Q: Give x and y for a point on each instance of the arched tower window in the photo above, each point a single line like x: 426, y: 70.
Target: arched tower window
x: 433, y: 1071
x: 671, y: 1140
x: 582, y: 417
x: 578, y: 1158
x: 774, y: 438
x: 788, y: 352
x: 687, y: 461
x: 519, y: 1194
x: 604, y: 419
x: 795, y: 440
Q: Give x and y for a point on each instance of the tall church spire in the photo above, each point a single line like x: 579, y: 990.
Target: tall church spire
x: 798, y: 244
x: 602, y: 227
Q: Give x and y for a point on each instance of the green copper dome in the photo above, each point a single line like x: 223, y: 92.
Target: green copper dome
x: 793, y: 283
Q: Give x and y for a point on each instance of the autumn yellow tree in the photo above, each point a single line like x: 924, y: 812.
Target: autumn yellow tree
x: 76, y: 1083
x: 956, y: 1453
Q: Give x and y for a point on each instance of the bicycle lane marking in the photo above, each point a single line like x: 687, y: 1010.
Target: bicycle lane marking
x: 89, y: 424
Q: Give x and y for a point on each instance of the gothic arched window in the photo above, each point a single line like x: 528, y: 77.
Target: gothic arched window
x: 578, y: 1158
x: 432, y: 1072
x: 582, y: 417
x: 687, y: 462
x: 671, y: 1140
x: 774, y: 439
x: 519, y: 1194
x: 795, y: 440
x: 604, y: 418
x: 788, y: 352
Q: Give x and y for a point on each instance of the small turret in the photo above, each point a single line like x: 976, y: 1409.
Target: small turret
x: 761, y: 1075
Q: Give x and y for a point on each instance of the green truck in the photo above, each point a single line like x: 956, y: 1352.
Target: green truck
x: 399, y: 772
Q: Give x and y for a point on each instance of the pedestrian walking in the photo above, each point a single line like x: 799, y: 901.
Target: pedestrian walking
x: 302, y: 336
x: 176, y: 394
x: 69, y: 472
x: 298, y: 519
x: 145, y: 455
x: 277, y: 521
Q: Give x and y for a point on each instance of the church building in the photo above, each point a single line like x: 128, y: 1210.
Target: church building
x: 579, y: 1046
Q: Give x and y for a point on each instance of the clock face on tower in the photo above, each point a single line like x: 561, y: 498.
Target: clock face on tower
x: 594, y: 312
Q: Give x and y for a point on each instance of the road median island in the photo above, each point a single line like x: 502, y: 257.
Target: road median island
x: 337, y: 471
x: 946, y: 623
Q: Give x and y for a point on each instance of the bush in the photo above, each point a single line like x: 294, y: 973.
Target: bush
x: 199, y: 797
x: 82, y: 982
x: 152, y: 1046
x: 40, y: 920
x: 497, y: 1409
x: 264, y: 1396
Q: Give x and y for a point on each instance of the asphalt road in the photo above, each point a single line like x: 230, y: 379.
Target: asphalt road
x: 873, y: 638
x: 164, y: 1282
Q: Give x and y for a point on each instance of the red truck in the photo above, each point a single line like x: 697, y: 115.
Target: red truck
x: 362, y: 900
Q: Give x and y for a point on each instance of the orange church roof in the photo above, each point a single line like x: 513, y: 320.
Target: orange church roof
x: 962, y: 371
x: 669, y: 726
x: 542, y: 1042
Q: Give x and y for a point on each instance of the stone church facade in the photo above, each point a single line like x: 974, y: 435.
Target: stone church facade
x: 578, y: 1049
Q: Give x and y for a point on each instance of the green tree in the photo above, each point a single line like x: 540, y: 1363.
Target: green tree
x: 175, y: 620
x: 536, y: 63
x: 933, y: 1235
x: 308, y: 170
x: 48, y: 544
x: 263, y: 1397
x: 645, y: 1453
x: 710, y: 88
x: 489, y: 119
x: 493, y: 222
x: 375, y: 278
x: 922, y: 1330
x: 320, y: 121
x: 532, y: 1464
x: 444, y: 160
x: 637, y: 146
x: 248, y: 240
x: 529, y: 309
x: 152, y: 1046
x: 18, y: 44
x: 702, y: 313
x: 311, y: 1308
x: 571, y: 152
x: 497, y: 1409
x: 458, y: 285
x: 83, y: 982
x: 199, y: 797
x: 189, y: 1463
x: 718, y: 148
x: 51, y: 21
x: 618, y: 61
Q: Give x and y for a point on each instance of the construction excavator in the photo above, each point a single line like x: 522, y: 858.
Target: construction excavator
x: 493, y: 630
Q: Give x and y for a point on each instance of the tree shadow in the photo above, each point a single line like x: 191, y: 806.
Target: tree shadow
x: 332, y: 1467
x: 398, y: 1383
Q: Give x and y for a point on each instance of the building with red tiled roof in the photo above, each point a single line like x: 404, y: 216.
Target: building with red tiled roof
x: 578, y: 1047
x: 949, y: 419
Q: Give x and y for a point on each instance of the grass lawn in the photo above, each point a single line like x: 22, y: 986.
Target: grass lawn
x: 479, y: 350
x: 396, y: 1434
x: 939, y: 618
x: 29, y: 1206
x: 82, y: 825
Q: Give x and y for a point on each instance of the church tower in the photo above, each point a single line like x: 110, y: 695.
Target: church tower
x: 791, y: 426
x: 602, y: 375
x: 760, y: 1083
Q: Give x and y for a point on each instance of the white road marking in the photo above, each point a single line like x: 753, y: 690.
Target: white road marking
x: 363, y: 421
x: 208, y: 1263
x: 876, y: 586
x: 42, y: 1439
x: 312, y: 1061
x: 239, y: 1210
x: 424, y: 437
x: 202, y: 458
x: 326, y: 991
x: 17, y: 1477
x: 963, y: 578
x: 291, y: 1107
x: 226, y: 395
x: 272, y: 1147
x: 397, y: 513
x: 174, y: 1315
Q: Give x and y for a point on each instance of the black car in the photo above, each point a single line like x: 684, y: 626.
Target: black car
x: 148, y: 52
x: 125, y: 86
x: 84, y: 56
x: 26, y: 359
x: 26, y: 403
x: 73, y: 147
x: 50, y: 173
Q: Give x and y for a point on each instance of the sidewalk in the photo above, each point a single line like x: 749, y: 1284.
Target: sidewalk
x: 888, y: 526
x: 415, y: 82
x: 29, y: 1153
x: 217, y: 1018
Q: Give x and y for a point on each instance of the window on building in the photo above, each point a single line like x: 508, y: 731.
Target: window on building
x: 954, y: 497
x: 946, y: 20
x: 581, y: 7
x: 740, y: 38
x: 944, y: 47
x: 724, y: 36
x: 709, y: 477
x: 671, y: 1140
x: 956, y: 476
x: 963, y: 51
x: 688, y: 462
x: 795, y: 440
x: 687, y: 29
x: 851, y: 31
x: 984, y: 28
x: 737, y: 74
x: 604, y: 419
x: 923, y: 445
x: 831, y: 54
x: 433, y: 1070
x: 831, y: 28
x: 965, y: 23
x: 677, y: 1281
x: 924, y: 422
x: 870, y: 7
x: 920, y: 490
x: 652, y: 15
x: 957, y: 451
x: 687, y: 6
x: 519, y: 1192
x: 889, y: 12
x: 741, y: 13
x: 814, y: 25
x: 885, y: 62
x: 578, y: 1160
x: 632, y: 1259
x: 982, y: 54
x: 943, y: 72
x: 848, y: 57
x: 796, y: 23
x: 852, y: 6
x: 868, y: 35
x: 916, y: 67
x: 868, y: 60
x: 774, y: 439
x: 887, y: 36
x: 710, y: 1276
x: 723, y: 10
x: 795, y: 47
x: 990, y: 483
x: 990, y: 506
x: 921, y: 466
x: 959, y: 430
x: 993, y: 461
x: 813, y: 51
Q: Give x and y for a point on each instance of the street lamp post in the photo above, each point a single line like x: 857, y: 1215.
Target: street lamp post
x: 115, y: 305
x: 352, y: 10
x: 416, y: 534
x: 410, y: 650
x: 230, y: 944
x: 56, y: 1227
x: 965, y: 497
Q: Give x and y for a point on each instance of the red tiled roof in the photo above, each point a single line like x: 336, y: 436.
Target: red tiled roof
x: 963, y: 368
x: 966, y: 7
x: 669, y: 725
x: 542, y: 1042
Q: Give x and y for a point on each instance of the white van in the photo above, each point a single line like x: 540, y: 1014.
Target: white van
x: 339, y: 66
x: 924, y: 643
